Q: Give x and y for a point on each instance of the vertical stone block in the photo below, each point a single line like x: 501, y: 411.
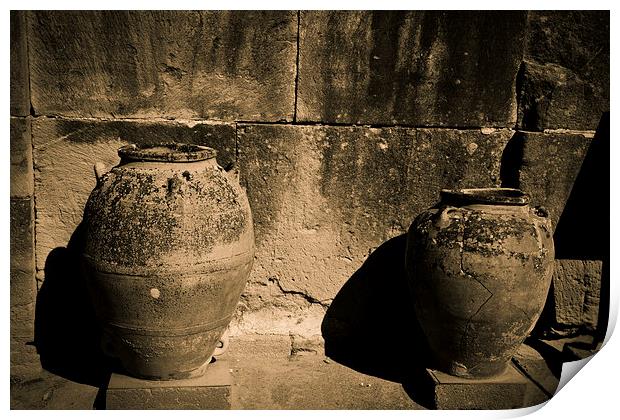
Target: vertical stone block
x: 24, y: 360
x: 455, y: 69
x: 324, y: 197
x: 576, y: 294
x: 22, y: 252
x: 21, y: 158
x: 564, y: 82
x: 188, y: 64
x: 550, y: 163
x: 20, y: 89
x: 66, y: 150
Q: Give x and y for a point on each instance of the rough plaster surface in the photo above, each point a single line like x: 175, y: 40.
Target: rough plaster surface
x: 455, y: 69
x: 204, y: 64
x: 576, y: 293
x: 324, y: 197
x: 66, y: 150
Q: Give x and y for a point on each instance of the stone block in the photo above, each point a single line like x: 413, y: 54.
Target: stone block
x: 22, y: 321
x: 23, y: 284
x: 455, y: 68
x: 553, y: 96
x: 66, y: 150
x: 324, y: 197
x: 550, y: 163
x: 21, y: 158
x: 210, y: 391
x: 20, y: 90
x: 231, y: 65
x: 24, y: 359
x: 565, y: 83
x: 543, y: 382
x: 576, y: 294
x: 502, y: 392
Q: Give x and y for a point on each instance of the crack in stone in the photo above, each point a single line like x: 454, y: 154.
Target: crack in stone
x: 310, y: 299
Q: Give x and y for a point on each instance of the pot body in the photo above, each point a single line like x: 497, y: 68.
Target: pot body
x: 479, y: 266
x: 169, y: 246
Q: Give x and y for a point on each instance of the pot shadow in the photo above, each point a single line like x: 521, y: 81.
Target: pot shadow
x: 67, y: 335
x: 371, y: 327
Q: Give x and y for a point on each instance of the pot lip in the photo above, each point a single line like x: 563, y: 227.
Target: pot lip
x: 497, y: 196
x: 166, y: 152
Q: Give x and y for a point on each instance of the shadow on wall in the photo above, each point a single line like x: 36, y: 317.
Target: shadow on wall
x: 66, y: 332
x: 371, y: 326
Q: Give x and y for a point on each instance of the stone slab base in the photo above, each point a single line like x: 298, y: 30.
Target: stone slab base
x: 210, y: 391
x: 502, y: 392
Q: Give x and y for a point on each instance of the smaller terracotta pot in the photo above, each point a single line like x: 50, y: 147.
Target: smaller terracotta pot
x: 480, y: 266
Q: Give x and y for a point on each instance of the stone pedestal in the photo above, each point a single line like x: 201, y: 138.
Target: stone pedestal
x: 502, y: 392
x: 210, y: 391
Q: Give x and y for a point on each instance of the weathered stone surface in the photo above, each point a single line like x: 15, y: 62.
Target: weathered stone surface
x: 22, y: 322
x: 323, y: 197
x: 502, y: 392
x: 24, y: 359
x: 576, y: 294
x: 204, y: 64
x: 23, y: 285
x: 565, y: 83
x: 66, y: 150
x: 20, y: 90
x: 210, y: 391
x: 550, y: 163
x: 553, y: 96
x: 454, y: 69
x: 21, y: 158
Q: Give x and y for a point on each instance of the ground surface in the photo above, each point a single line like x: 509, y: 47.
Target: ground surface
x: 291, y: 372
x: 265, y: 376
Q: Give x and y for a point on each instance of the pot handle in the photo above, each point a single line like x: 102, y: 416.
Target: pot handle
x: 232, y: 171
x: 99, y: 170
x: 442, y: 218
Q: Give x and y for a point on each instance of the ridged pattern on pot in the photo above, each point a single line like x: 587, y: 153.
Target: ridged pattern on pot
x: 480, y: 281
x: 170, y: 247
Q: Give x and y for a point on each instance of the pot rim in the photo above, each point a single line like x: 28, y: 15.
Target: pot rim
x: 496, y: 196
x: 166, y: 152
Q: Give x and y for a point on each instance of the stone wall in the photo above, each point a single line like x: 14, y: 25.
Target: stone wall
x: 344, y: 125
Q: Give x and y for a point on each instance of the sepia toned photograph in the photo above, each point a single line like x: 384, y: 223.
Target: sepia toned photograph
x: 306, y: 209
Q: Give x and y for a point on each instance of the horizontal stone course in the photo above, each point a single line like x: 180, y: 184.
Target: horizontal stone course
x: 230, y: 65
x: 423, y: 68
x: 324, y: 197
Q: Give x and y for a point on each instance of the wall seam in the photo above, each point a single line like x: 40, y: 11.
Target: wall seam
x: 297, y: 67
x: 31, y: 119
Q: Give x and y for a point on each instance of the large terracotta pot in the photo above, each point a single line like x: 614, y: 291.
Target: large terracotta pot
x: 169, y: 247
x: 480, y: 266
